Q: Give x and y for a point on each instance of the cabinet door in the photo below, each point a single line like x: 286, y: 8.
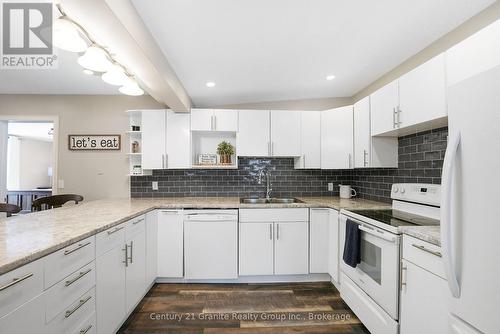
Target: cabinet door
x: 110, y: 290
x: 422, y: 94
x: 153, y: 139
x: 225, y: 120
x: 170, y: 243
x: 151, y: 247
x: 29, y: 318
x: 310, y: 137
x: 362, y: 133
x: 202, y: 119
x: 253, y: 138
x: 291, y: 248
x: 337, y: 138
x: 423, y: 301
x: 178, y: 151
x: 136, y: 270
x: 319, y: 240
x: 256, y: 249
x: 383, y: 109
x: 333, y: 244
x: 285, y: 133
x: 476, y: 54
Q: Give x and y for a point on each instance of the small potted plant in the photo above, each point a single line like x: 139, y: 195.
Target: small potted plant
x: 225, y: 150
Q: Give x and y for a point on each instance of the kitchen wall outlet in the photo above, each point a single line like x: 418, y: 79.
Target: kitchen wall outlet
x: 330, y: 186
x: 154, y: 185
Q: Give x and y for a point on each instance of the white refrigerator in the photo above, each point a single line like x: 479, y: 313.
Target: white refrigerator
x: 470, y: 217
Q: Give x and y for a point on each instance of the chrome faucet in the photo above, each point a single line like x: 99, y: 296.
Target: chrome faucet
x: 267, y: 173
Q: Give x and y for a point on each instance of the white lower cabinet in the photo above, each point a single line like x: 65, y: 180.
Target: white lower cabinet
x: 29, y: 318
x: 121, y: 273
x: 274, y: 241
x: 423, y: 307
x: 151, y: 247
x: 319, y: 240
x: 256, y: 249
x: 333, y: 245
x: 170, y: 243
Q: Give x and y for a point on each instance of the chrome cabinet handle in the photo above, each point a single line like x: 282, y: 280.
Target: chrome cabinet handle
x: 126, y: 255
x: 380, y: 234
x: 215, y: 123
x: 115, y: 230
x: 16, y: 281
x: 277, y: 231
x: 131, y: 258
x: 304, y: 160
x: 399, y: 117
x: 80, y: 304
x: 270, y: 231
x: 403, y: 276
x: 80, y: 275
x: 138, y: 221
x: 269, y: 148
x: 365, y: 155
x: 427, y: 250
x: 272, y: 148
x: 80, y: 246
x: 83, y: 331
x: 349, y: 160
x: 394, y: 112
x: 169, y: 212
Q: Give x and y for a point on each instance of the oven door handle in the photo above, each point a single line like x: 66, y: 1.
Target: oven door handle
x: 380, y: 235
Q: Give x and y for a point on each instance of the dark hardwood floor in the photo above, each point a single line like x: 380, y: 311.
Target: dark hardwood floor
x: 243, y: 308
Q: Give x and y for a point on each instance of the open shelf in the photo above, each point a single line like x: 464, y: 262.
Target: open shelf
x: 218, y: 166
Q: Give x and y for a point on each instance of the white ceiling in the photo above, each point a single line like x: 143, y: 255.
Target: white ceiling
x: 68, y: 78
x: 262, y: 50
x: 39, y: 131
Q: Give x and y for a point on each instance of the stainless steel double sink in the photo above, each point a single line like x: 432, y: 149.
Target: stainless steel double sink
x: 270, y: 201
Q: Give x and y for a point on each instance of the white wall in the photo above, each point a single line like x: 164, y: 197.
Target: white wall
x: 3, y: 158
x: 94, y: 175
x: 28, y: 163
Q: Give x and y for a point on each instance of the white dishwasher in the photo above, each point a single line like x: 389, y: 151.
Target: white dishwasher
x: 211, y: 244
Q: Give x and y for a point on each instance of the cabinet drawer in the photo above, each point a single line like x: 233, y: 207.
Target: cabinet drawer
x: 69, y: 289
x: 135, y: 226
x: 20, y: 285
x: 67, y: 260
x: 274, y: 215
x: 86, y: 327
x: 110, y: 239
x: 27, y: 319
x: 423, y: 254
x: 69, y: 320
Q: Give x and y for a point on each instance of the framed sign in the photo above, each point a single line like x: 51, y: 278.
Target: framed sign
x: 94, y: 142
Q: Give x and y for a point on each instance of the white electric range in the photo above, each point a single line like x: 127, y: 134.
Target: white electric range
x: 372, y: 288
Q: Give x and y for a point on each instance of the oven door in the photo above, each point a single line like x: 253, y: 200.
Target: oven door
x: 378, y: 273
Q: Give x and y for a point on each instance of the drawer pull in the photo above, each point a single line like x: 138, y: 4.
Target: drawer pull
x: 115, y: 230
x: 427, y: 250
x: 138, y: 221
x: 80, y: 304
x: 80, y: 246
x: 83, y: 331
x: 82, y: 273
x: 15, y: 281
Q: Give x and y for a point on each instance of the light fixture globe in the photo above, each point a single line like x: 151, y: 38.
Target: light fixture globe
x: 67, y: 37
x: 95, y: 59
x: 131, y: 88
x: 115, y: 76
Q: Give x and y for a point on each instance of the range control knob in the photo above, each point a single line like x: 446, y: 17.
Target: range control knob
x: 402, y: 190
x: 396, y: 189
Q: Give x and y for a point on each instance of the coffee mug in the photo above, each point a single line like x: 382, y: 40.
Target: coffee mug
x: 347, y: 191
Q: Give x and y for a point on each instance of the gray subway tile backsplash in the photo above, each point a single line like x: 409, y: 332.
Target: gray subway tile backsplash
x: 420, y: 160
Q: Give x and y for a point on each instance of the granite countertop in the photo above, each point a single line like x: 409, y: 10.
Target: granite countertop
x: 430, y: 234
x: 25, y: 238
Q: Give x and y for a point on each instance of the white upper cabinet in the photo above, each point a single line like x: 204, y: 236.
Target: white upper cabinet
x: 422, y: 95
x: 362, y: 136
x: 371, y: 151
x: 383, y: 109
x: 476, y: 54
x: 310, y: 137
x: 202, y: 119
x: 225, y: 120
x: 153, y: 139
x: 285, y: 133
x: 253, y: 138
x: 178, y: 141
x: 214, y: 120
x: 337, y: 138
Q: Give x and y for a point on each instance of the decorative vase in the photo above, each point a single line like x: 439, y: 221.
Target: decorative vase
x: 225, y: 159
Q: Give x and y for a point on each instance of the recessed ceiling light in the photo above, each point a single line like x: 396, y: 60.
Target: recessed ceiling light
x: 210, y: 84
x: 88, y: 72
x: 330, y: 77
